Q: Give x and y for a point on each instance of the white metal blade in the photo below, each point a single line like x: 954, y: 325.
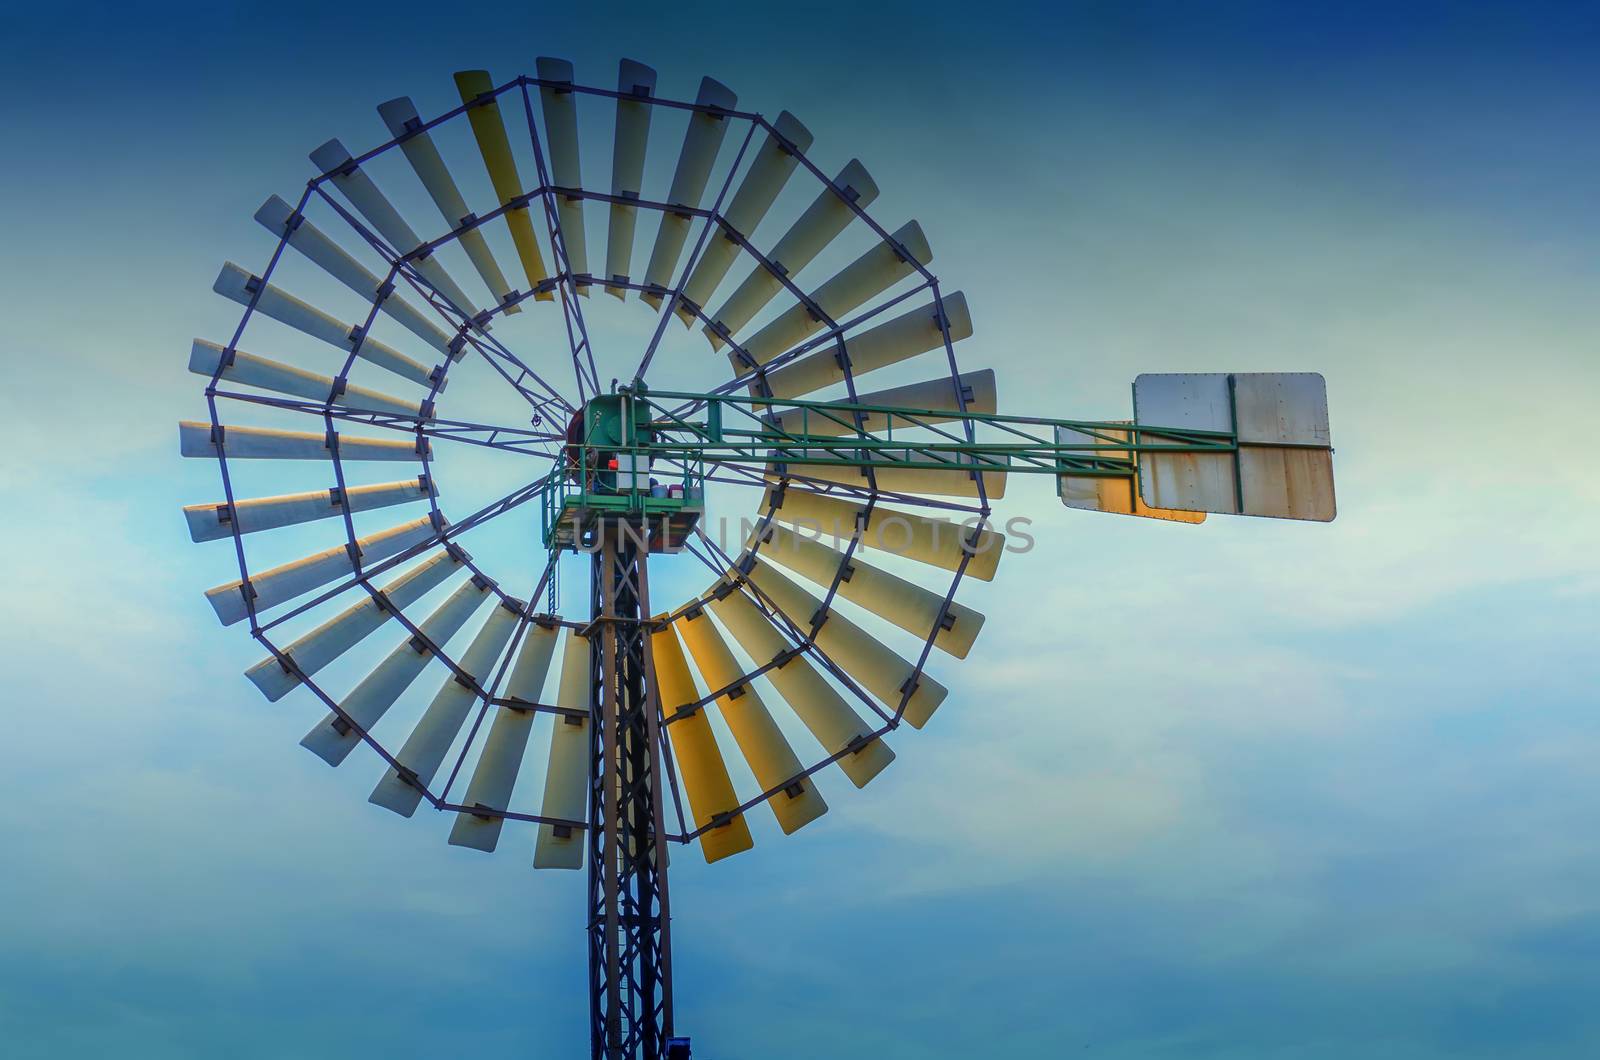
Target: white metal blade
x: 566, y: 777
x: 278, y: 217
x: 933, y: 395
x: 349, y: 627
x: 822, y: 221
x: 879, y: 669
x: 371, y: 203
x: 215, y: 521
x: 332, y: 739
x: 273, y: 587
x: 936, y: 542
x: 561, y: 141
x: 249, y: 370
x: 773, y: 165
x: 835, y: 724
x: 909, y: 606
x: 700, y: 146
x: 259, y: 443
x: 868, y: 276
x: 425, y: 749
x: 401, y: 116
x: 878, y: 346
x: 235, y: 283
x: 627, y: 167
x: 495, y: 775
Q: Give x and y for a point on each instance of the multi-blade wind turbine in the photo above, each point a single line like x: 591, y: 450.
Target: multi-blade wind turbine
x: 809, y: 646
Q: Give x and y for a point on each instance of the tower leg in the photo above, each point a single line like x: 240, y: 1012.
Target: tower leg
x: 630, y: 965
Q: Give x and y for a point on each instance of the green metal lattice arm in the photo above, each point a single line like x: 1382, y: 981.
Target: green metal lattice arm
x: 730, y: 429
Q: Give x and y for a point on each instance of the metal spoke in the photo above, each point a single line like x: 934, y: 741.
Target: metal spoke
x: 511, y: 439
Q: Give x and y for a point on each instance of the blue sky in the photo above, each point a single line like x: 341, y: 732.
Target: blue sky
x: 1250, y: 789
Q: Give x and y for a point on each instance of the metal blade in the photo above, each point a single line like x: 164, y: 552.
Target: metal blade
x: 238, y: 284
x: 822, y: 221
x: 627, y: 167
x: 249, y: 370
x: 694, y: 747
x: 936, y: 542
x: 865, y: 278
x: 762, y: 743
x: 332, y: 739
x: 400, y: 115
x: 259, y: 443
x: 495, y: 776
x: 566, y: 777
x: 425, y: 749
x: 279, y: 218
x: 213, y: 522
x: 768, y: 173
x: 561, y: 142
x: 879, y: 669
x: 909, y: 606
x: 333, y: 158
x: 701, y: 143
x: 285, y: 582
x: 490, y: 131
x: 350, y: 627
x: 835, y: 724
x: 890, y: 342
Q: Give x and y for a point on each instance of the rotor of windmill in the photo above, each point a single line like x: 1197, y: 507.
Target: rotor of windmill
x: 830, y: 395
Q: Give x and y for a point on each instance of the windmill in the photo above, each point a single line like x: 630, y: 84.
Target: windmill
x: 867, y: 508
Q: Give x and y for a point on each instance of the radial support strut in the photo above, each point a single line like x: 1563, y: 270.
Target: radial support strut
x: 630, y: 962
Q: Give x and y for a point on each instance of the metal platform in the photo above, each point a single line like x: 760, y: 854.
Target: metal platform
x: 573, y: 517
